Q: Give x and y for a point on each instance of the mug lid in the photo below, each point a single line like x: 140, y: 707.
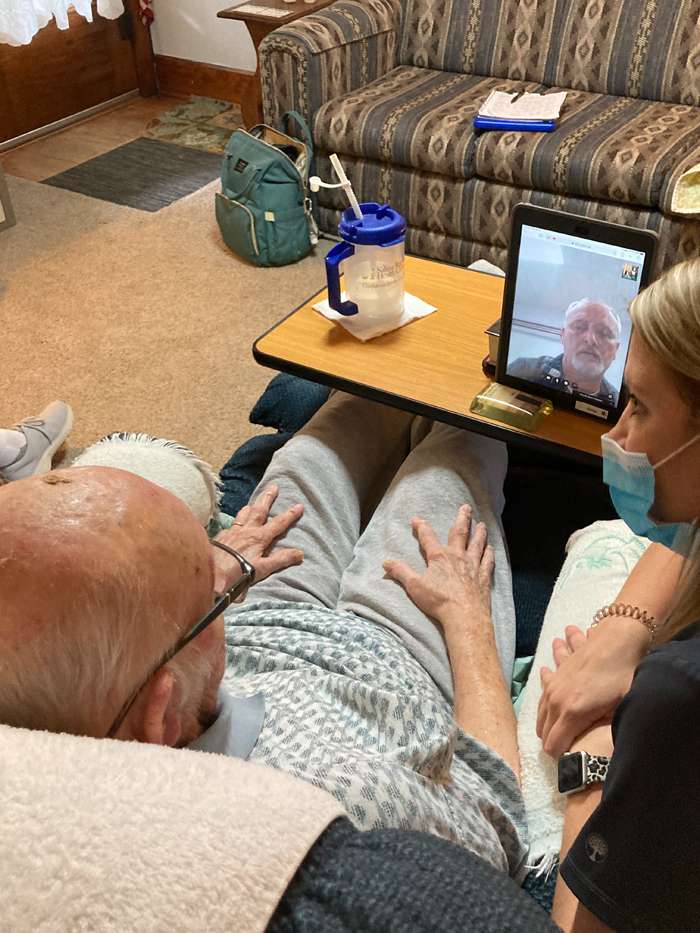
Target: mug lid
x: 381, y: 225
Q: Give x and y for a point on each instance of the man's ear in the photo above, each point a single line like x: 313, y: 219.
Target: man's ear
x: 161, y: 723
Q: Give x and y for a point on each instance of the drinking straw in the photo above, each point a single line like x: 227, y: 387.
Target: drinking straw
x: 345, y: 182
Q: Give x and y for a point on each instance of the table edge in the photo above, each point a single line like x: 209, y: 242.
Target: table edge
x: 479, y: 426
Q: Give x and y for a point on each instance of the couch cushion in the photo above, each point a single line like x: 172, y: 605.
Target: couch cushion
x: 610, y: 148
x: 461, y: 220
x: 414, y: 117
x: 506, y: 38
x: 629, y: 48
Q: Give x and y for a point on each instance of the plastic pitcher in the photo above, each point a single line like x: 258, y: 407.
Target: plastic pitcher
x: 372, y: 252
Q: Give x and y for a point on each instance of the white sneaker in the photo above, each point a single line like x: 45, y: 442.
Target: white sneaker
x: 43, y: 434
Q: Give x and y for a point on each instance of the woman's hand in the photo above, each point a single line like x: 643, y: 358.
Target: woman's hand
x: 458, y: 574
x: 593, y: 673
x: 252, y: 535
x: 596, y: 740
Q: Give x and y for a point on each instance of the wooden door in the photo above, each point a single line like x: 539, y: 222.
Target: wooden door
x: 65, y: 71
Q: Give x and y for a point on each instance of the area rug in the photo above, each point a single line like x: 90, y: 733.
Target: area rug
x: 142, y: 322
x: 199, y: 123
x: 146, y: 174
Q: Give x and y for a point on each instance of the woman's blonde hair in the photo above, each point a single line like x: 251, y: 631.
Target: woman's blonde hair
x: 667, y: 318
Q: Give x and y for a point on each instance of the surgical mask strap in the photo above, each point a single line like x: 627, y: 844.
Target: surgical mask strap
x: 676, y: 452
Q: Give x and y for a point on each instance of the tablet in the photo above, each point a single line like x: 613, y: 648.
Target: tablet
x: 565, y: 323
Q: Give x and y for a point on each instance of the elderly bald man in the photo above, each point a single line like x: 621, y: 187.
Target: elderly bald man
x: 394, y: 698
x: 590, y: 339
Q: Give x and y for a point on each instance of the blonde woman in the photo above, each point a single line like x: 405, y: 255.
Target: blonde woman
x: 630, y: 850
x: 632, y: 684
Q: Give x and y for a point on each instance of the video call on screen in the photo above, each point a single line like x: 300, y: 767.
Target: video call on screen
x: 583, y: 351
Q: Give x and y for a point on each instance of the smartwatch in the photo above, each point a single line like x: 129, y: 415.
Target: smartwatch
x: 578, y: 770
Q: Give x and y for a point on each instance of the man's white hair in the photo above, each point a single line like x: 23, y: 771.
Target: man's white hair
x: 577, y: 305
x: 61, y: 679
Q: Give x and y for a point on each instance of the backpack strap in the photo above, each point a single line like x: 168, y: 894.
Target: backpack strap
x: 311, y: 199
x: 303, y: 126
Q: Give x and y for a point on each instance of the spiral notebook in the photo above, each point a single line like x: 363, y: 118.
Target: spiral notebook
x: 500, y: 105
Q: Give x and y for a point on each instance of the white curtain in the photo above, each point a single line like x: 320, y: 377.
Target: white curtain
x: 20, y: 20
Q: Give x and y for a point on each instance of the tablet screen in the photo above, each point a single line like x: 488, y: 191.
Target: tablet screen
x: 571, y: 326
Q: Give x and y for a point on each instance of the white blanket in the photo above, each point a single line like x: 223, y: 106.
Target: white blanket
x: 599, y: 559
x: 103, y: 835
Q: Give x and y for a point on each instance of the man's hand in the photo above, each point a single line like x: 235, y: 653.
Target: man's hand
x: 252, y: 535
x: 457, y: 580
x: 592, y: 675
x: 455, y: 591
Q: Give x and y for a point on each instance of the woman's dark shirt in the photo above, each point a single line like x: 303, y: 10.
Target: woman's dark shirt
x: 634, y: 864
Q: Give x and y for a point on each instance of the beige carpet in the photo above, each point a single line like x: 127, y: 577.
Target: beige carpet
x: 141, y: 321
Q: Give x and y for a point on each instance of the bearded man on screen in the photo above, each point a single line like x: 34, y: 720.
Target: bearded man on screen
x: 590, y: 339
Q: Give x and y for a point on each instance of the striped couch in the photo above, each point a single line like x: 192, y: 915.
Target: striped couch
x: 393, y: 85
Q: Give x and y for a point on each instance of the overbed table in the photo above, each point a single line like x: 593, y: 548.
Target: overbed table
x: 432, y: 366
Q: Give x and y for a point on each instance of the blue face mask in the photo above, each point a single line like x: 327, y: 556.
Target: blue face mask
x: 630, y: 478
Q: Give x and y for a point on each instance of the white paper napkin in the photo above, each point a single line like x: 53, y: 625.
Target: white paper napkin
x: 365, y: 329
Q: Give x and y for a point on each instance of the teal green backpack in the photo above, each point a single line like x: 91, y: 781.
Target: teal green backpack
x: 263, y: 210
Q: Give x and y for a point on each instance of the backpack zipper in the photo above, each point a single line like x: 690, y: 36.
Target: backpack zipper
x: 252, y: 225
x: 279, y: 152
x: 313, y: 226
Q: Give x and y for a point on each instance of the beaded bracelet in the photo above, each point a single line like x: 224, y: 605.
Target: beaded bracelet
x: 628, y: 612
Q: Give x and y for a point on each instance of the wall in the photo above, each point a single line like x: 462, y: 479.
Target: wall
x: 190, y: 29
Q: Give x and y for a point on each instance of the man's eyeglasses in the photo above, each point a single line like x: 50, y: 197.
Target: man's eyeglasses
x: 223, y: 602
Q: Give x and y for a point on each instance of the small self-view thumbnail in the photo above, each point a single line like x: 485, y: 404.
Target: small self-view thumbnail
x: 630, y: 271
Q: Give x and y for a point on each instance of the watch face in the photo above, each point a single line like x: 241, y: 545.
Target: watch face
x: 570, y: 772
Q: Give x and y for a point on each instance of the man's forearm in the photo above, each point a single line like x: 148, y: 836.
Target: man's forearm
x: 483, y: 707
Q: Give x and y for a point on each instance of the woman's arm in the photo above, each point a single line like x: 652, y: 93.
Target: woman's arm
x: 567, y: 911
x: 595, y: 672
x: 455, y: 591
x: 592, y: 676
x: 653, y: 582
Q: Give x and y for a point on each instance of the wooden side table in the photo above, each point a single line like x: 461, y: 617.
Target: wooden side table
x: 261, y: 17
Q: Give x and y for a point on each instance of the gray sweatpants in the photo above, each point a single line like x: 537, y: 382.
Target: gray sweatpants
x: 362, y: 471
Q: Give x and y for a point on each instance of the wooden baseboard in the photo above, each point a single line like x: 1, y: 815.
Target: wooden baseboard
x: 179, y: 77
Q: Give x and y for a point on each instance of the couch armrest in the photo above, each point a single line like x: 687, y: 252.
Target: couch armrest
x: 680, y: 194
x: 326, y: 54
